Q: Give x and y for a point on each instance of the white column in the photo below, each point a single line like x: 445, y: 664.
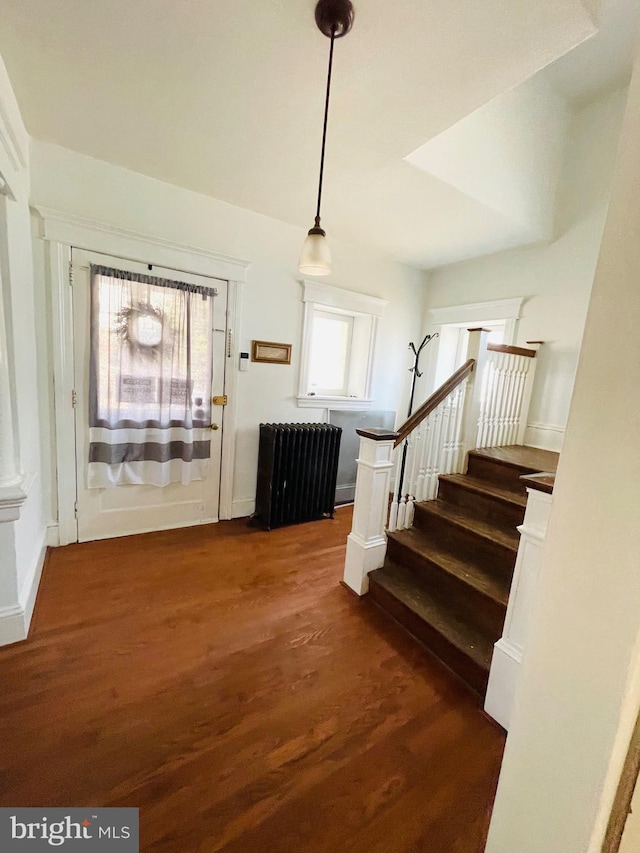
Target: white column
x: 508, y: 651
x: 12, y: 493
x: 367, y: 542
x: 8, y: 471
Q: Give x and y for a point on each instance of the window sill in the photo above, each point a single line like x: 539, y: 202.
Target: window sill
x: 319, y: 402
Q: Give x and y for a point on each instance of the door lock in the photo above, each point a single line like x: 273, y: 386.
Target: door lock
x: 215, y: 426
x: 220, y: 400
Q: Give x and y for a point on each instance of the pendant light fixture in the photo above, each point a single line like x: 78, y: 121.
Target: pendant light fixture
x: 334, y: 19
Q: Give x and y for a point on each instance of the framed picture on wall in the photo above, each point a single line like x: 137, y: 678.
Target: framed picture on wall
x: 269, y: 352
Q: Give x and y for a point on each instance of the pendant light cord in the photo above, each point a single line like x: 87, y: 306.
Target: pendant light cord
x: 324, y: 128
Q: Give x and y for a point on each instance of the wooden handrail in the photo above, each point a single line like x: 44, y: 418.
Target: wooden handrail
x: 509, y: 350
x: 434, y: 400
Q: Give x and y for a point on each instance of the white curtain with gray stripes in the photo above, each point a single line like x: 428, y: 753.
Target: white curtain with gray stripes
x: 150, y: 380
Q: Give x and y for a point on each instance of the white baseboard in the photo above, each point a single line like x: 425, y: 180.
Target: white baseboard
x: 544, y: 436
x: 53, y: 535
x: 32, y: 584
x: 345, y: 494
x: 12, y: 625
x: 243, y: 508
x: 503, y: 678
x: 15, y: 620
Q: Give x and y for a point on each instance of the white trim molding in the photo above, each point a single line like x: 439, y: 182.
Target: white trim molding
x: 13, y: 497
x: 53, y: 535
x: 231, y: 389
x: 61, y: 231
x: 474, y: 313
x: 82, y: 233
x: 367, y: 542
x: 319, y: 402
x: 508, y: 651
x: 243, y: 507
x: 14, y: 138
x: 478, y: 312
x: 15, y: 619
x: 345, y: 300
x: 544, y: 436
x: 365, y: 311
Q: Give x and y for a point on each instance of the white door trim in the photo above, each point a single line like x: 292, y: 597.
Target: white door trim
x: 61, y: 231
x: 481, y: 312
x: 230, y: 413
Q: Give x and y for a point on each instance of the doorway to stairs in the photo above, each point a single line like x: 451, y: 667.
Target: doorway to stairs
x: 453, y: 341
x: 149, y: 363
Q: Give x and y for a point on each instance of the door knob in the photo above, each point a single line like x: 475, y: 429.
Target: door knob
x: 215, y: 426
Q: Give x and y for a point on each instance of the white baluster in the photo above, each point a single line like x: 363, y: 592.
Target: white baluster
x: 446, y: 436
x: 511, y: 400
x: 488, y: 390
x: 393, y: 507
x: 514, y: 414
x: 502, y: 402
x: 428, y: 448
x: 432, y: 484
x: 459, y: 460
x: 514, y: 405
x: 426, y: 437
x: 497, y: 408
x: 393, y: 516
x: 410, y: 511
x: 402, y: 513
x: 415, y: 461
x: 448, y: 465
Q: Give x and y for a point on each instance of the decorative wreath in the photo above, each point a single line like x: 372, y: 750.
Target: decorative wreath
x: 141, y: 327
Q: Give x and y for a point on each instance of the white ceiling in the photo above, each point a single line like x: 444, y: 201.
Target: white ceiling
x: 225, y: 97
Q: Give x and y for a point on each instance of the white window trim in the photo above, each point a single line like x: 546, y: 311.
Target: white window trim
x: 356, y: 304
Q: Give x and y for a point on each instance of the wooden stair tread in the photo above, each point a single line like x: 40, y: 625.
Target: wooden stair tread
x: 468, y: 572
x: 520, y: 456
x: 485, y: 487
x: 405, y: 587
x: 460, y: 517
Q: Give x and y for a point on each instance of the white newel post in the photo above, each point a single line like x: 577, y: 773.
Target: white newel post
x: 476, y: 349
x: 367, y: 542
x: 528, y: 392
x: 508, y: 651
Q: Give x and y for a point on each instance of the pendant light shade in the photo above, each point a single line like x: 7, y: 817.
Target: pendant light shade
x: 315, y: 258
x: 334, y: 19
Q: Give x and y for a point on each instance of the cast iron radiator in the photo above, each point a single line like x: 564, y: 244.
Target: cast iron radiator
x: 297, y: 471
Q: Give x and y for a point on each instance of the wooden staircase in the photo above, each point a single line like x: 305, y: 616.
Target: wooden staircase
x: 447, y: 579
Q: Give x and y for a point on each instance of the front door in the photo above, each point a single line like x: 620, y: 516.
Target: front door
x: 149, y: 359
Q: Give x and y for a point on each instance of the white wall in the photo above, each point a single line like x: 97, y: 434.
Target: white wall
x: 554, y: 277
x: 22, y: 542
x: 506, y: 155
x: 272, y: 298
x: 579, y: 689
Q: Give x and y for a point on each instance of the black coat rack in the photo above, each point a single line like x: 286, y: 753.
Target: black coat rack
x: 416, y: 375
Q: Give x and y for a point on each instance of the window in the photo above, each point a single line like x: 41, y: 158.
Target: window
x: 337, y: 346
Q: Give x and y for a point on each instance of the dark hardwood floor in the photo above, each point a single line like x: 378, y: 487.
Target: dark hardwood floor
x: 223, y: 681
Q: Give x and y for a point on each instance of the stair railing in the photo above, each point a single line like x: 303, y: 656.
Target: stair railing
x: 433, y: 437
x: 484, y: 403
x: 506, y: 396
